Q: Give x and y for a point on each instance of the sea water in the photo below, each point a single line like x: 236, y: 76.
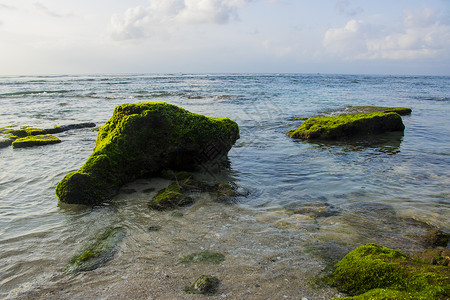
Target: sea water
x: 303, y: 205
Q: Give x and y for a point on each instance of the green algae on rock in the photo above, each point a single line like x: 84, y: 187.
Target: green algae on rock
x: 97, y: 253
x: 402, y: 111
x: 206, y: 285
x: 438, y: 256
x: 205, y: 257
x: 11, y: 133
x: 377, y: 272
x: 35, y: 140
x: 145, y: 139
x: 170, y: 197
x: 330, y: 128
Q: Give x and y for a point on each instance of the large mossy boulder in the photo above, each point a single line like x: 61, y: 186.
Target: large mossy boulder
x: 348, y: 125
x: 144, y: 139
x: 377, y: 272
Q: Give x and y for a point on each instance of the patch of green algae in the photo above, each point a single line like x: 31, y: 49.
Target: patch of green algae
x: 377, y: 272
x: 35, y: 140
x: 97, y: 253
x: 348, y: 125
x: 170, y: 197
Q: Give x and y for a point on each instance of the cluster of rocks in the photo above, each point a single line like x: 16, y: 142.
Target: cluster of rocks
x: 147, y: 139
x: 30, y: 137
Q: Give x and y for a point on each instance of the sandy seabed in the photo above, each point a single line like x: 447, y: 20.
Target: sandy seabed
x: 265, y: 258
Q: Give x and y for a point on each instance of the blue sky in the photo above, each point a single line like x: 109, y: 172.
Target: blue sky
x: 213, y: 36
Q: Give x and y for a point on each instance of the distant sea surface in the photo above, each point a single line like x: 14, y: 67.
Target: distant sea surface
x: 303, y: 204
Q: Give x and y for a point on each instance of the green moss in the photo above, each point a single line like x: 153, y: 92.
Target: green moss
x: 206, y: 257
x: 206, y: 285
x: 98, y: 252
x: 35, y: 140
x: 370, y: 109
x: 170, y: 197
x: 373, y: 267
x: 347, y: 126
x: 145, y: 138
x: 386, y: 294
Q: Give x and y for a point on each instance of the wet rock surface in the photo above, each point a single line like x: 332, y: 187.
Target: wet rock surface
x: 145, y: 139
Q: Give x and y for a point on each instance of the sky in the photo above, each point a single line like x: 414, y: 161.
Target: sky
x: 409, y: 37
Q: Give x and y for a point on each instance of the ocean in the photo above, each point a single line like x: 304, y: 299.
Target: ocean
x: 303, y: 205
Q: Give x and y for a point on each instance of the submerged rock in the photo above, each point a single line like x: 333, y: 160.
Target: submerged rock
x: 206, y: 285
x: 377, y: 272
x: 435, y: 238
x: 344, y: 126
x: 438, y: 256
x: 170, y: 197
x: 35, y: 140
x: 97, y: 253
x: 145, y: 139
x: 206, y: 257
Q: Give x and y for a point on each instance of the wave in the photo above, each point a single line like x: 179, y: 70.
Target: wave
x: 435, y: 98
x: 28, y: 93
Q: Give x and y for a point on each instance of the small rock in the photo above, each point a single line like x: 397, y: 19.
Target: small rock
x: 206, y: 285
x: 436, y: 238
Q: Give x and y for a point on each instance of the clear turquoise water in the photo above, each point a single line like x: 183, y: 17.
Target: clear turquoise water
x: 381, y: 190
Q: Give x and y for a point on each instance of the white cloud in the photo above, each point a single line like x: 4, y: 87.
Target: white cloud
x: 420, y: 35
x: 139, y: 22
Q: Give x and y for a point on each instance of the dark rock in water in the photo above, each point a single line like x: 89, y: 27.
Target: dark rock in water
x: 97, y: 253
x: 377, y: 272
x: 154, y: 228
x: 145, y: 139
x: 226, y: 192
x: 436, y: 238
x: 437, y: 256
x: 315, y: 209
x: 27, y: 131
x: 35, y: 140
x: 346, y: 126
x: 205, y: 257
x: 6, y: 141
x: 206, y: 285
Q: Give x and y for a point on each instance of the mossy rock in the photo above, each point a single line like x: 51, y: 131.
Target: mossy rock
x: 377, y: 272
x: 35, y: 140
x: 346, y: 126
x: 97, y: 253
x: 144, y: 139
x: 402, y: 111
x: 169, y: 198
x: 206, y: 285
x: 9, y: 134
x: 205, y: 257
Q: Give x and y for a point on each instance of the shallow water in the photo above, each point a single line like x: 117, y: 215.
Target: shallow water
x: 306, y: 204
